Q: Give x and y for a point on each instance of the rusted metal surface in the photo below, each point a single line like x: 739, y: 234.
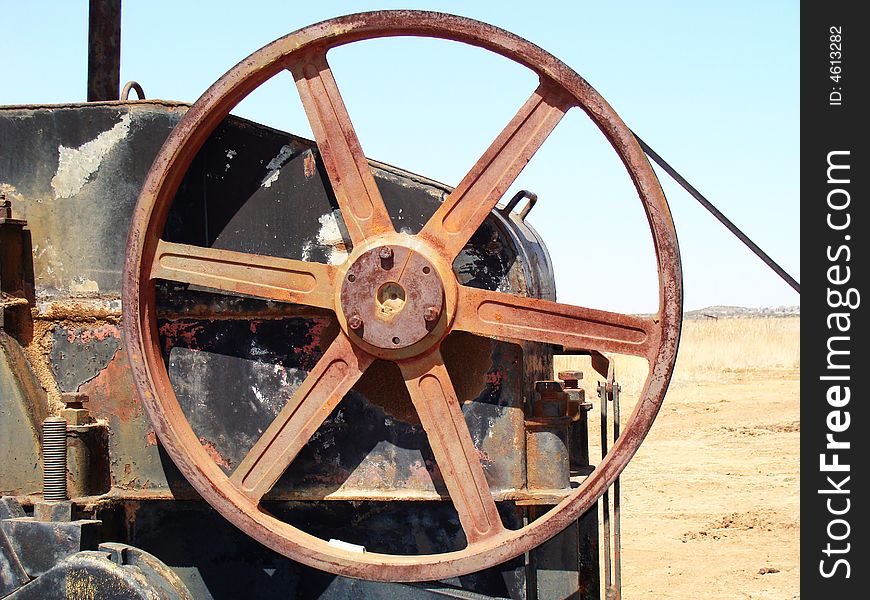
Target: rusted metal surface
x: 87, y: 448
x: 547, y: 453
x: 20, y: 419
x: 39, y: 545
x: 110, y: 572
x: 16, y: 273
x: 104, y: 49
x: 395, y: 294
x: 441, y: 240
x: 78, y: 354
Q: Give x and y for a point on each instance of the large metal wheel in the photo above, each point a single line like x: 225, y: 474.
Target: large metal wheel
x: 396, y: 297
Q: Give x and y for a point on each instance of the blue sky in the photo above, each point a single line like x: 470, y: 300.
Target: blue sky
x: 712, y: 86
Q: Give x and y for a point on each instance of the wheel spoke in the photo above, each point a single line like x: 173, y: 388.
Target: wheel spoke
x: 332, y: 377
x: 467, y: 206
x: 347, y: 167
x: 269, y: 277
x: 496, y: 314
x: 438, y: 408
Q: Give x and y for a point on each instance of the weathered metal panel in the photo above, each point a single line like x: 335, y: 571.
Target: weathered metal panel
x: 20, y: 459
x: 251, y: 189
x: 75, y: 175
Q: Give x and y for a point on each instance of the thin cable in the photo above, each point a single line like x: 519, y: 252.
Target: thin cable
x: 722, y: 218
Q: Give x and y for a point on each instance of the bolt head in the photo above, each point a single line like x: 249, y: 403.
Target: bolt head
x: 354, y: 322
x: 430, y: 313
x: 386, y: 253
x: 74, y: 399
x: 77, y: 416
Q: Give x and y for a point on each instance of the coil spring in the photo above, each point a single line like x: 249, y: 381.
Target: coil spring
x: 54, y: 458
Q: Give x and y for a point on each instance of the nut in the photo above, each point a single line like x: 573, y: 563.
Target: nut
x: 355, y: 322
x: 430, y: 313
x: 77, y: 416
x: 571, y: 378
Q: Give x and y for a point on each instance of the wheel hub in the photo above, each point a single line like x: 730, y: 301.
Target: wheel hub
x: 392, y: 297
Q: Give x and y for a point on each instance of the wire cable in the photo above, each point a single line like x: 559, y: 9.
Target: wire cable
x: 716, y: 213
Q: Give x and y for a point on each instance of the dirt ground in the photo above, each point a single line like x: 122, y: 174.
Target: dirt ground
x: 710, y: 502
x: 710, y: 505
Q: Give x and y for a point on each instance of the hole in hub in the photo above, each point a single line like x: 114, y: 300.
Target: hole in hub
x: 390, y: 300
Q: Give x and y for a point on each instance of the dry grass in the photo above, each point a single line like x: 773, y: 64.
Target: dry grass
x: 711, y: 350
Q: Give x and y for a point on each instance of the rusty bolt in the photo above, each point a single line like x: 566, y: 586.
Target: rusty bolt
x: 74, y: 399
x: 386, y: 253
x: 355, y: 322
x: 430, y: 313
x: 74, y: 411
x: 571, y: 378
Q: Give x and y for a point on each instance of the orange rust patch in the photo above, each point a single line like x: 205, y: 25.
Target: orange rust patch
x: 309, y: 165
x: 151, y: 439
x: 213, y: 453
x: 88, y: 334
x: 173, y: 331
x: 112, y: 392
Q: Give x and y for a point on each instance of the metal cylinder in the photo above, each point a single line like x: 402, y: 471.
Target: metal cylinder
x: 54, y: 459
x: 547, y: 466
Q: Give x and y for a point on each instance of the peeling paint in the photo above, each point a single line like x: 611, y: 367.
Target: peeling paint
x: 273, y: 169
x: 309, y: 165
x: 76, y: 165
x: 83, y: 285
x: 330, y: 235
x: 8, y: 190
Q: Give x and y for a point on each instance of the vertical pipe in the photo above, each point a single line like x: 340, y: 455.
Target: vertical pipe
x: 54, y: 459
x: 104, y: 50
x: 605, y: 499
x: 617, y: 530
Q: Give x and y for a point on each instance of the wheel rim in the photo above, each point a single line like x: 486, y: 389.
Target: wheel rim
x: 149, y: 258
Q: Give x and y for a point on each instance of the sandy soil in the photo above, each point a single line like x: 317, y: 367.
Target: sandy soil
x: 710, y: 503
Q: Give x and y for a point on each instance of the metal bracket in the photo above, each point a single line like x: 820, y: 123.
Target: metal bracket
x: 512, y: 203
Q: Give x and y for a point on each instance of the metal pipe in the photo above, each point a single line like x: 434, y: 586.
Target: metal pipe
x: 605, y: 499
x: 617, y: 529
x: 104, y: 50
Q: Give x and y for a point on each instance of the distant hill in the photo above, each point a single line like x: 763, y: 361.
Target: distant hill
x: 722, y: 312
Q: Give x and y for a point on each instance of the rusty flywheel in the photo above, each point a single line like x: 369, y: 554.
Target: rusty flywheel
x: 396, y: 297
